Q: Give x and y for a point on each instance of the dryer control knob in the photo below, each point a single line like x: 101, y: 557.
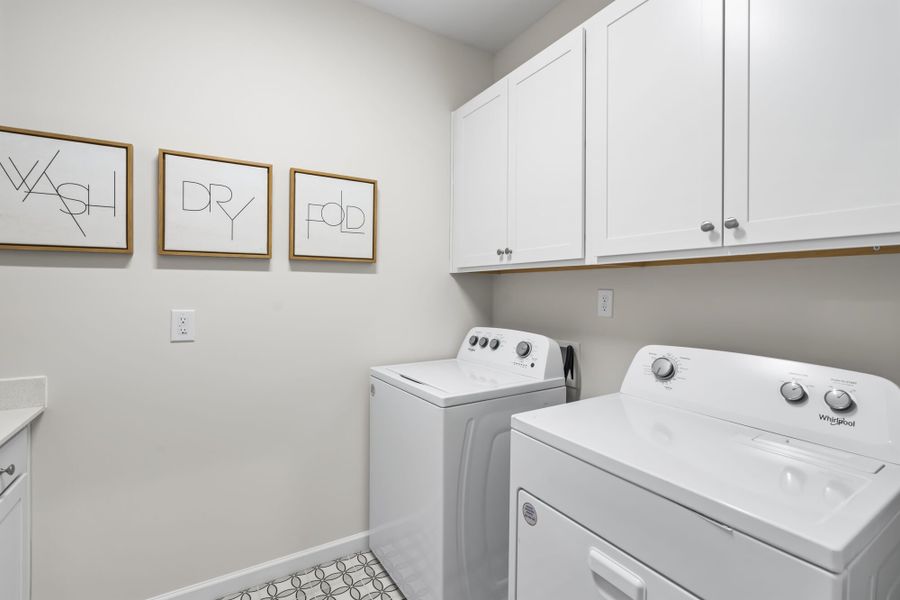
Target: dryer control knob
x: 793, y: 392
x: 495, y: 343
x: 473, y: 340
x: 483, y: 342
x: 839, y: 400
x: 663, y: 369
x: 523, y: 349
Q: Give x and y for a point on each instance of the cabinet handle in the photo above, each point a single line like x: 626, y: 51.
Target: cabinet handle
x: 706, y: 227
x: 10, y: 470
x: 731, y: 223
x: 507, y: 251
x: 499, y: 252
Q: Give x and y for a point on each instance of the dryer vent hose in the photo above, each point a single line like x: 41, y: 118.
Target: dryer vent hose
x: 569, y: 363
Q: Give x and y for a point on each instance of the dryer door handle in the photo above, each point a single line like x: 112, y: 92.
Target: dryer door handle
x: 615, y: 575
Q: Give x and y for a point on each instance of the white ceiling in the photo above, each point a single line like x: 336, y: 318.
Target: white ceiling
x: 486, y: 24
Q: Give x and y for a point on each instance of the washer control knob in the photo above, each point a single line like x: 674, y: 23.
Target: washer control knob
x: 663, y: 369
x: 839, y: 400
x: 793, y: 392
x: 483, y: 342
x: 523, y: 349
x: 473, y: 340
x: 495, y: 343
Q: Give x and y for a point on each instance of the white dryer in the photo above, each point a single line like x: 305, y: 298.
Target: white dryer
x: 439, y: 461
x: 711, y: 475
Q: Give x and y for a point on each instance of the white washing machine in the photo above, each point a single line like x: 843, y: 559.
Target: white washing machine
x: 439, y: 461
x: 711, y: 475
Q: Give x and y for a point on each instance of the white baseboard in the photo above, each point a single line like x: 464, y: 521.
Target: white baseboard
x: 215, y: 588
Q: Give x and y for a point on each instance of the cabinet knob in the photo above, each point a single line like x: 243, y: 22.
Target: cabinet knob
x: 10, y: 470
x: 499, y: 252
x: 731, y: 223
x: 507, y: 251
x: 706, y: 227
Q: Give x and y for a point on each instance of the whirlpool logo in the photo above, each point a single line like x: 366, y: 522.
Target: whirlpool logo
x: 837, y: 420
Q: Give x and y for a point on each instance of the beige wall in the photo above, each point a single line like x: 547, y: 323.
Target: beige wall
x: 843, y: 312
x: 560, y: 20
x: 160, y: 465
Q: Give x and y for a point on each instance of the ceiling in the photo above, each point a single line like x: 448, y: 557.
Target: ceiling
x: 486, y: 24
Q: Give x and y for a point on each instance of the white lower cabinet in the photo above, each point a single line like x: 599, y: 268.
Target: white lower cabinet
x: 13, y: 541
x: 15, y: 527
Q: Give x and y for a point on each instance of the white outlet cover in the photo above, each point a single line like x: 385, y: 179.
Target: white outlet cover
x: 183, y: 326
x: 605, y: 303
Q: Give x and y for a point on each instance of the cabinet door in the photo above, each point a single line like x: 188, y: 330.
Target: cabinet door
x: 13, y: 536
x: 480, y: 165
x: 812, y: 130
x: 654, y: 126
x: 546, y: 154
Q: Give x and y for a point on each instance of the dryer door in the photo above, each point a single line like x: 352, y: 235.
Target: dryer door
x: 557, y: 558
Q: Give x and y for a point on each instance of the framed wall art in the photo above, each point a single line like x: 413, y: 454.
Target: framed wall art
x: 59, y: 192
x: 333, y: 217
x: 212, y: 206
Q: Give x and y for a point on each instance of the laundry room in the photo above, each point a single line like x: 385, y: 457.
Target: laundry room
x: 449, y: 300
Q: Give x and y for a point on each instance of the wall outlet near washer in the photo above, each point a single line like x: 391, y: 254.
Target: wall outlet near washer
x: 183, y: 329
x: 605, y: 303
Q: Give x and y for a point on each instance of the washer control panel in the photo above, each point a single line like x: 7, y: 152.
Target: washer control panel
x: 663, y: 368
x: 515, y: 351
x: 852, y: 411
x: 839, y: 400
x: 792, y: 391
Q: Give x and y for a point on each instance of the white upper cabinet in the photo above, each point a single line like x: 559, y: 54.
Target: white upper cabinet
x: 654, y: 126
x: 812, y: 126
x: 480, y: 165
x: 668, y: 129
x: 518, y: 165
x: 546, y: 154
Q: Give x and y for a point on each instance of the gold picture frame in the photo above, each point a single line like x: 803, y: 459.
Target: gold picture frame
x: 182, y: 247
x: 32, y: 177
x: 366, y: 213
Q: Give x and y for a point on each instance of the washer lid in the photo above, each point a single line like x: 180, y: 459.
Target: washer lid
x: 820, y: 504
x: 453, y: 382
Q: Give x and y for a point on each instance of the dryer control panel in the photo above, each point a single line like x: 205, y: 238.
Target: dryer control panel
x: 852, y: 411
x: 520, y: 352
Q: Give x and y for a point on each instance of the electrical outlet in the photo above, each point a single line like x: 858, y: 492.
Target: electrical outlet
x: 182, y: 326
x: 605, y: 303
x: 571, y: 381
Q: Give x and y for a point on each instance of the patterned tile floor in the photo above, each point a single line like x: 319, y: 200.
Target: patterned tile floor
x: 356, y: 577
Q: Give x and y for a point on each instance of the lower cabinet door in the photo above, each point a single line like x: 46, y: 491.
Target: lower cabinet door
x: 557, y: 558
x: 13, y: 532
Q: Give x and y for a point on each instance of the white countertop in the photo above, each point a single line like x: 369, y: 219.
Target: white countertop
x: 22, y: 400
x: 12, y: 421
